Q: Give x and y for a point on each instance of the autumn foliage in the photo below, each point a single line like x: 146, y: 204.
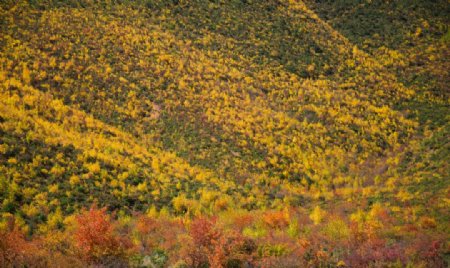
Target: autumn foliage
x: 15, y: 250
x: 224, y: 133
x: 95, y: 237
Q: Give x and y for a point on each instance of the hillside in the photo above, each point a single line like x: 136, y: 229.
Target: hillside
x: 260, y: 133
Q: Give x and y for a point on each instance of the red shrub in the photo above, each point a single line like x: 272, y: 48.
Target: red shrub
x: 204, y: 237
x: 147, y: 229
x: 211, y: 246
x: 203, y: 232
x: 15, y: 250
x: 95, y: 237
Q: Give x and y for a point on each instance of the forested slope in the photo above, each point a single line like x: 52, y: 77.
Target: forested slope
x: 298, y: 133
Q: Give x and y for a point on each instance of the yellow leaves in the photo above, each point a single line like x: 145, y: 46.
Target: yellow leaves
x: 114, y: 183
x: 347, y: 86
x: 59, y: 157
x: 74, y: 180
x: 345, y: 119
x: 123, y: 80
x: 261, y: 164
x: 394, y: 160
x: 142, y: 63
x: 317, y: 215
x: 273, y: 160
x: 2, y: 75
x: 52, y: 62
x: 206, y: 40
x: 57, y: 170
x: 355, y: 50
x: 337, y: 230
x: 55, y: 219
x: 376, y: 210
x: 260, y: 110
x: 155, y: 164
x: 108, y: 70
x: 26, y: 74
x: 152, y: 212
x: 255, y: 232
x: 156, y: 193
x: 54, y: 37
x: 181, y: 204
x: 53, y: 188
x: 182, y: 84
x: 418, y: 32
x: 235, y: 74
x: 207, y: 197
x: 165, y: 58
x: 13, y: 82
x: 93, y: 168
x: 29, y: 193
x: 222, y: 203
x: 359, y: 216
x: 350, y: 63
x: 296, y: 5
x: 30, y: 210
x: 142, y: 187
x: 3, y: 148
x: 41, y: 199
x: 248, y: 80
x: 404, y: 195
x: 391, y: 183
x: 276, y: 219
x: 12, y: 161
x: 125, y: 68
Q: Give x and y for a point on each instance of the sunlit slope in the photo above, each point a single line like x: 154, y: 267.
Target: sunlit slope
x: 411, y: 39
x: 134, y: 105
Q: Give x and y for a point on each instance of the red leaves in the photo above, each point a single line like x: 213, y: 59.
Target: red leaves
x: 211, y: 245
x: 95, y: 237
x: 203, y: 232
x: 214, y: 242
x: 431, y: 250
x: 204, y: 239
x: 15, y: 250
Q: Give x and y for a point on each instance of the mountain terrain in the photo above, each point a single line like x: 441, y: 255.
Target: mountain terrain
x: 224, y: 133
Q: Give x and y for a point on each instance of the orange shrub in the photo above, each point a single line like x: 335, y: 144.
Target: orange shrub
x: 204, y: 236
x: 276, y: 219
x: 210, y: 245
x: 95, y: 237
x: 15, y: 250
x: 242, y: 221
